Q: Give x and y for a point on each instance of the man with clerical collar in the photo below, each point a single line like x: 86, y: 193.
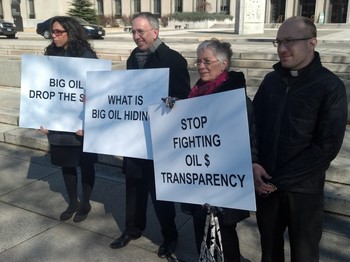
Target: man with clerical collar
x: 301, y: 114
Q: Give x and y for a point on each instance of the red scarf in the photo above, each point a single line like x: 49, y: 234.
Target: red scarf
x: 202, y: 88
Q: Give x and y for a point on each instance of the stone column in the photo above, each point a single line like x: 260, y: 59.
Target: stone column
x: 268, y: 12
x: 233, y: 8
x: 348, y: 14
x: 249, y: 17
x: 319, y: 8
x: 291, y: 10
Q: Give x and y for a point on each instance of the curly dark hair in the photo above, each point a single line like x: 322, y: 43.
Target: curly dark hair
x: 77, y: 39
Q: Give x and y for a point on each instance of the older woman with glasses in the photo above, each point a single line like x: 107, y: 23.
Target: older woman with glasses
x: 69, y: 39
x: 213, y: 65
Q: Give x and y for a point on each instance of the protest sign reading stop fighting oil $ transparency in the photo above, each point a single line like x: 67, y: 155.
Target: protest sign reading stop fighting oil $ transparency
x: 201, y: 151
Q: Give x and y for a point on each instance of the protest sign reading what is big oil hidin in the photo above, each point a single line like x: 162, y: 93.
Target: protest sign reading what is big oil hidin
x: 116, y: 116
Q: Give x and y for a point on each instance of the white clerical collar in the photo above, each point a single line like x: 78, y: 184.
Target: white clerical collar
x: 294, y: 73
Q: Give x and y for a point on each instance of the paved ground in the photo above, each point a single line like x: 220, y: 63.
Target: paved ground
x: 32, y: 196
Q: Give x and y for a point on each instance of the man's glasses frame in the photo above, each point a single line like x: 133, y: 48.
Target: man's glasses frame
x: 288, y: 42
x: 140, y: 32
x: 58, y: 32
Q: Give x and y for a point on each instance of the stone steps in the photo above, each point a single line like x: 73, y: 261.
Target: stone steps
x: 224, y: 25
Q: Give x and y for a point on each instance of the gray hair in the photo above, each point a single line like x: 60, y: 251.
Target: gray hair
x: 222, y: 50
x: 151, y: 19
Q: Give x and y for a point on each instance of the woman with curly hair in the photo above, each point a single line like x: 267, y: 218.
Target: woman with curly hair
x: 69, y: 39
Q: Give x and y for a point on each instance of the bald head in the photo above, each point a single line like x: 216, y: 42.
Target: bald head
x: 304, y: 24
x: 296, y: 40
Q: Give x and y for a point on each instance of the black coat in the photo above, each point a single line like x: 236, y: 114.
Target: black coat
x: 179, y: 86
x: 164, y: 57
x: 229, y: 216
x: 300, y: 124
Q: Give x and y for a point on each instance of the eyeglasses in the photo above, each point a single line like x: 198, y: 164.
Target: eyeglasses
x: 205, y: 62
x: 57, y: 32
x: 140, y: 32
x: 289, y: 42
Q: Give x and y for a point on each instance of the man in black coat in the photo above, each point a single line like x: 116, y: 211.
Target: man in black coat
x: 301, y: 115
x: 151, y: 52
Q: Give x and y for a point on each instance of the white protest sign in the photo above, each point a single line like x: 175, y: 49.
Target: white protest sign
x: 52, y: 90
x: 116, y: 115
x: 201, y: 151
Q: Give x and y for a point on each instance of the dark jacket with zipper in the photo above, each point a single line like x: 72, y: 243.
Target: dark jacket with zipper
x: 300, y: 124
